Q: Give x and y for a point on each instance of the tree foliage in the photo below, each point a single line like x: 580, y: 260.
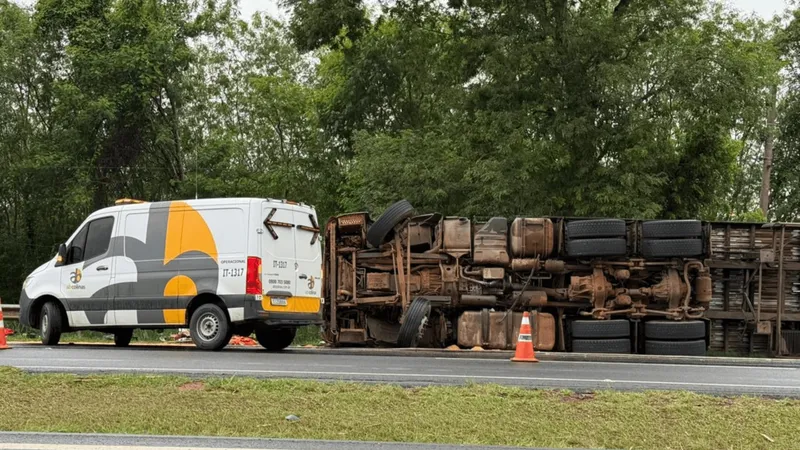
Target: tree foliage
x: 651, y: 109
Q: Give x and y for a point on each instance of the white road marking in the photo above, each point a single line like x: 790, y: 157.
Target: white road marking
x: 638, y: 364
x: 404, y: 375
x: 100, y: 447
x: 75, y: 360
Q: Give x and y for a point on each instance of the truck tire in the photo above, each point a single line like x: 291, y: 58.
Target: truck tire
x: 672, y: 248
x: 414, y: 323
x: 275, y: 339
x: 123, y: 337
x: 601, y: 345
x: 379, y: 231
x: 597, y: 247
x: 677, y: 348
x: 50, y: 323
x: 670, y: 229
x: 669, y: 330
x: 209, y: 328
x: 590, y: 329
x: 596, y: 228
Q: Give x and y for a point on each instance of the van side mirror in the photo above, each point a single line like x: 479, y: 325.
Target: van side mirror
x: 62, y: 254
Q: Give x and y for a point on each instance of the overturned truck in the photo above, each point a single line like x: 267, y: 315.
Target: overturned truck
x: 681, y: 287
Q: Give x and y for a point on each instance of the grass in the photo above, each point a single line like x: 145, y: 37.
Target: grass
x: 309, y: 335
x: 473, y: 414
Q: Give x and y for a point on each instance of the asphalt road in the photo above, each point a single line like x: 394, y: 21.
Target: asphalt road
x: 406, y: 370
x: 67, y: 441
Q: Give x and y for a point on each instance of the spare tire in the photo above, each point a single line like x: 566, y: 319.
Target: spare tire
x: 677, y: 348
x: 379, y: 231
x: 666, y: 229
x: 596, y: 228
x: 601, y: 345
x: 414, y: 322
x: 670, y: 330
x: 617, y: 328
x: 672, y: 248
x: 597, y: 247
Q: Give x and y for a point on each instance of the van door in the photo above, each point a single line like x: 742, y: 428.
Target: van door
x: 278, y: 256
x: 308, y: 253
x: 86, y: 274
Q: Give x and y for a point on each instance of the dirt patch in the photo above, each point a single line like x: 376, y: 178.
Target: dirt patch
x: 193, y: 386
x: 575, y: 397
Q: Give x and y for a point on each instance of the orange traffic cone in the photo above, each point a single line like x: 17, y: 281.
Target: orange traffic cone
x: 524, y: 352
x: 3, y: 344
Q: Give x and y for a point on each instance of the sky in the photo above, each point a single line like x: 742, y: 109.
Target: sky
x: 764, y: 8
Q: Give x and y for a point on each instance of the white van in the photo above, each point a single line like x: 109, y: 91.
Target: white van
x: 219, y: 266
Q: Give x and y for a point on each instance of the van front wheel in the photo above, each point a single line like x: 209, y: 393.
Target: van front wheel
x: 275, y: 339
x: 50, y: 323
x: 209, y: 328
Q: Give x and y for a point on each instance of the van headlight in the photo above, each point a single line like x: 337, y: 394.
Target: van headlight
x: 25, y: 283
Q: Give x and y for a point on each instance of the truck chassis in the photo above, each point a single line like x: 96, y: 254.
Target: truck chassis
x: 591, y: 285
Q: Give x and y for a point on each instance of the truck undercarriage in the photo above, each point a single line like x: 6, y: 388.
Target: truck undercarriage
x: 591, y: 285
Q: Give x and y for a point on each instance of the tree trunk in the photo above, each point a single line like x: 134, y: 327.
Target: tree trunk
x: 769, y: 142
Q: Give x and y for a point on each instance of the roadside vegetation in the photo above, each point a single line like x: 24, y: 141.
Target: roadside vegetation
x: 647, y: 109
x: 475, y: 414
x: 309, y: 335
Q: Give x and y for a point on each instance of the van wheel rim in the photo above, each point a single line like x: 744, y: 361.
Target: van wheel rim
x: 208, y: 327
x: 45, y: 323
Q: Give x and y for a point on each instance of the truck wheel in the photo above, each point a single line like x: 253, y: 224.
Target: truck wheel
x: 50, y: 323
x: 672, y: 248
x: 123, y: 337
x: 601, y: 345
x: 678, y: 348
x: 597, y: 247
x: 670, y: 229
x: 379, y: 231
x: 669, y: 330
x: 596, y: 228
x: 209, y: 327
x: 619, y: 328
x: 275, y: 339
x: 414, y: 323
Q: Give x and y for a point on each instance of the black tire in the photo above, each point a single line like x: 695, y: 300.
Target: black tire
x: 672, y: 248
x: 583, y: 329
x: 275, y: 339
x: 123, y: 337
x: 379, y: 231
x: 209, y: 327
x: 670, y: 330
x: 670, y: 229
x: 414, y: 323
x: 601, y: 345
x: 51, y: 323
x: 597, y: 247
x: 596, y: 228
x: 678, y: 348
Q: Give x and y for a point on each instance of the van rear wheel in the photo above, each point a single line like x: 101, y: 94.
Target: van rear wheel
x: 123, y: 337
x: 275, y: 339
x: 209, y: 328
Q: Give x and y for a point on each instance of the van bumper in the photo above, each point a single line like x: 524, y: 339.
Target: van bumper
x: 254, y: 312
x: 24, y: 309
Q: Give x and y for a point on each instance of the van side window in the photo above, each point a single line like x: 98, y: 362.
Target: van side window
x: 99, y: 237
x: 75, y: 251
x: 91, y: 241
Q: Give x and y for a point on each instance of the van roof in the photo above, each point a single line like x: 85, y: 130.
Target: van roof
x: 127, y: 203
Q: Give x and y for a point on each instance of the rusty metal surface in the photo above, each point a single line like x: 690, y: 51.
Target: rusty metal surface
x: 531, y: 238
x: 496, y: 330
x: 491, y: 243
